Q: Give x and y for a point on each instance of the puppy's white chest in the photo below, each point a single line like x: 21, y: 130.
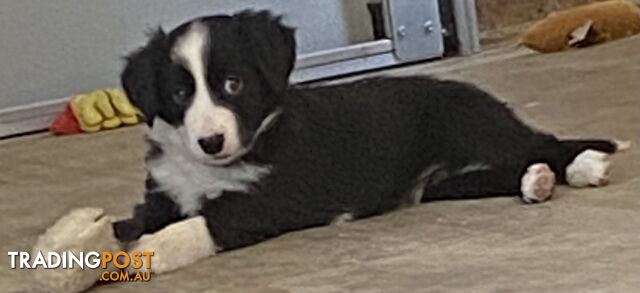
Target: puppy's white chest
x: 188, y: 181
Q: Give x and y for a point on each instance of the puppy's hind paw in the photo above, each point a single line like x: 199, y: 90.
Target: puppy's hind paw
x: 537, y: 184
x: 589, y: 168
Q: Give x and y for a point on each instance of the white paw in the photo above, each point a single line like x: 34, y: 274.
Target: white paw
x: 175, y: 246
x: 589, y: 168
x: 537, y: 184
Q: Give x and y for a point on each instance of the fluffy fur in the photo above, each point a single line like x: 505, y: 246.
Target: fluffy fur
x: 298, y: 157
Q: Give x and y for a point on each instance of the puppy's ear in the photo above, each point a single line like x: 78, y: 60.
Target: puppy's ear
x: 273, y: 45
x: 141, y: 73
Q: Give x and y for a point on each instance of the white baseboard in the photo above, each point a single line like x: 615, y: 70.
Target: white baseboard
x: 31, y: 117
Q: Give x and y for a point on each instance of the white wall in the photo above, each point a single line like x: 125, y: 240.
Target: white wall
x: 50, y: 49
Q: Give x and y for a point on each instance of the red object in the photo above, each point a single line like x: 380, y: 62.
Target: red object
x: 65, y: 123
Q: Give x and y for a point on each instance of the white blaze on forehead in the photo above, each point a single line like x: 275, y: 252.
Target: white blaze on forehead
x: 190, y: 50
x: 204, y: 118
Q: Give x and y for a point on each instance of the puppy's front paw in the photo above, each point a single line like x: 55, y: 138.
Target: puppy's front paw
x: 537, y: 184
x: 175, y: 246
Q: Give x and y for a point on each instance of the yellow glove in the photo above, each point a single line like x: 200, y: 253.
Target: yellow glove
x: 104, y: 109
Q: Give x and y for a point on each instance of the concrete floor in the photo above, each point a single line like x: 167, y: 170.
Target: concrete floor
x: 583, y: 241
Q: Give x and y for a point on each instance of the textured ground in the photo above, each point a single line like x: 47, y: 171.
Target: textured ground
x: 583, y: 241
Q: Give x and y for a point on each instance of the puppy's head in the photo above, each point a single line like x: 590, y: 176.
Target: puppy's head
x: 217, y: 80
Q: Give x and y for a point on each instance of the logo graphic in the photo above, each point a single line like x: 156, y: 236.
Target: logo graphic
x: 68, y: 260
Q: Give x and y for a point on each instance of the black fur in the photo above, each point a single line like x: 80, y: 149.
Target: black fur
x: 141, y: 73
x: 356, y: 148
x: 157, y: 212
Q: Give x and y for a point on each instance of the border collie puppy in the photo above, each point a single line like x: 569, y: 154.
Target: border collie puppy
x: 237, y: 156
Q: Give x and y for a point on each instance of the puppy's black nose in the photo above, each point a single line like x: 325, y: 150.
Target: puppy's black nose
x: 212, y: 144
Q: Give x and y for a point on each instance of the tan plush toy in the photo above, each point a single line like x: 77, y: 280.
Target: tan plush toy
x: 82, y: 230
x: 584, y: 25
x: 90, y: 230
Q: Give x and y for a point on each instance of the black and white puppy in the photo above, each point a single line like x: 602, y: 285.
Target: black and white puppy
x: 237, y: 156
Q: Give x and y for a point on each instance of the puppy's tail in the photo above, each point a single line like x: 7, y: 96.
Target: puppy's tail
x: 605, y: 146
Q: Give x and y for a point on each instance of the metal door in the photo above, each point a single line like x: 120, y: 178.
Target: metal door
x: 412, y: 32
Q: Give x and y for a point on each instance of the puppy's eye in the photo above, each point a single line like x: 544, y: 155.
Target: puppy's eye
x: 180, y: 95
x: 233, y: 85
